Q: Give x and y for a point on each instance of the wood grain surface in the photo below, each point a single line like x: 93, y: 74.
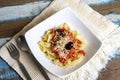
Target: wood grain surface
x: 112, y: 71
x: 113, y: 7
x: 10, y: 28
x: 14, y: 2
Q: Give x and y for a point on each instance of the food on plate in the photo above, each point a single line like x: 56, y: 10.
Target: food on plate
x: 63, y: 46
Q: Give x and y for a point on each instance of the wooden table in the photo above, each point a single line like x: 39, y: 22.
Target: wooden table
x: 11, y: 27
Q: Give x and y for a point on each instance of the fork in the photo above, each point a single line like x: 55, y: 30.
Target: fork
x: 14, y: 53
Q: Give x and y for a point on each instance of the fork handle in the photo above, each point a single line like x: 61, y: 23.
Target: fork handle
x: 23, y: 69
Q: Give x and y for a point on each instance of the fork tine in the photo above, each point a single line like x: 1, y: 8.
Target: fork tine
x: 8, y: 48
x: 12, y: 46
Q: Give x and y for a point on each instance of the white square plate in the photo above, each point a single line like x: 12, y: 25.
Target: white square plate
x: 33, y: 36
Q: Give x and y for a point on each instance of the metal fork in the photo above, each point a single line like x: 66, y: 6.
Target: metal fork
x: 14, y: 53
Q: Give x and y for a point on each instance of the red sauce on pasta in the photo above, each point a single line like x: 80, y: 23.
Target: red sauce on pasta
x: 65, y: 45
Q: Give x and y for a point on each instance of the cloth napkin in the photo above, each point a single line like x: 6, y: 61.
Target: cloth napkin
x: 105, y: 30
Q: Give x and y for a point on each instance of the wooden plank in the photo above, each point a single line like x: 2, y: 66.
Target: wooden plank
x: 112, y: 71
x: 6, y: 70
x: 108, y: 8
x: 108, y: 11
x: 10, y: 28
x: 14, y: 2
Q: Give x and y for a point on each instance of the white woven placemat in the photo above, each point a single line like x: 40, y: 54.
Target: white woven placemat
x: 106, y: 31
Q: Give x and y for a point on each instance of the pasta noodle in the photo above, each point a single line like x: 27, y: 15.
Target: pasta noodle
x: 62, y: 46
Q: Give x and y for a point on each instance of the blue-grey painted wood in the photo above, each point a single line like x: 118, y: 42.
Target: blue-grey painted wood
x: 7, y: 73
x: 113, y: 17
x: 28, y: 10
x: 98, y: 2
